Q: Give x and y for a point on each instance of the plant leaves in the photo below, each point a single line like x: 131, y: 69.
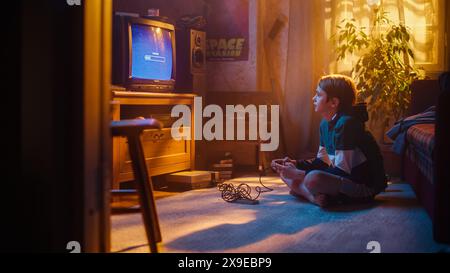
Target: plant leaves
x: 380, y: 73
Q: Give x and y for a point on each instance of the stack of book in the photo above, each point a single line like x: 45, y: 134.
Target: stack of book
x: 224, y: 167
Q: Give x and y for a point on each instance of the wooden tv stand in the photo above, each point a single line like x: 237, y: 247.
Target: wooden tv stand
x: 163, y: 154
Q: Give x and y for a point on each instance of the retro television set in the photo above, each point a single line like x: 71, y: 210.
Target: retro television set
x: 144, y: 54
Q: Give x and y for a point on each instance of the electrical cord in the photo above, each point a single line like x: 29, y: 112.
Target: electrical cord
x: 242, y: 192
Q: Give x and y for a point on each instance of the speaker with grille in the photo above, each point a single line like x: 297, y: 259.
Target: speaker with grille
x: 191, y: 61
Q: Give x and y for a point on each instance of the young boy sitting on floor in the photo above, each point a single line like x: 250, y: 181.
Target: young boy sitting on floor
x: 349, y: 165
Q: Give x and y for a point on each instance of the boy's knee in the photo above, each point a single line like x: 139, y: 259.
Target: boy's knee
x: 313, y: 180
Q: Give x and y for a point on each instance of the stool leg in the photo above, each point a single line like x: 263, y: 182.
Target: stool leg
x: 145, y: 190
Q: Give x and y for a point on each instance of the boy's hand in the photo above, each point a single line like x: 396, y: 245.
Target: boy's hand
x: 289, y: 170
x: 284, y: 161
x: 278, y: 164
x: 287, y: 160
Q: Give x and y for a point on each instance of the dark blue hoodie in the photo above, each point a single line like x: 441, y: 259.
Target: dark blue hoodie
x: 348, y: 150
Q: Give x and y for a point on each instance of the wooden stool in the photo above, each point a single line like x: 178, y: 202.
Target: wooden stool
x: 132, y: 129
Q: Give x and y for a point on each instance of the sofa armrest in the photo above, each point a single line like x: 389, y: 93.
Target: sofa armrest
x: 424, y: 93
x: 441, y: 215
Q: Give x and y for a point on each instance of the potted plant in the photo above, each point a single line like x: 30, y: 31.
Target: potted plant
x: 383, y: 72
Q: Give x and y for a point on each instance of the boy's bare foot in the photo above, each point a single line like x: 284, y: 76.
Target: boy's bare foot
x: 301, y: 191
x: 293, y: 193
x: 321, y: 200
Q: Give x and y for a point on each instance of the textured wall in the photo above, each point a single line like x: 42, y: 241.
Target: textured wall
x: 254, y: 74
x: 276, y: 48
x: 238, y: 75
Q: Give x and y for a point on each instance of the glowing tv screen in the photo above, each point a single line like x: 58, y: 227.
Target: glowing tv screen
x: 151, y: 53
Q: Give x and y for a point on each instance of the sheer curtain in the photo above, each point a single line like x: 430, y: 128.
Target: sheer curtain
x: 307, y: 60
x: 300, y: 56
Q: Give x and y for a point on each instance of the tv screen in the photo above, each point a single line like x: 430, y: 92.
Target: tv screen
x: 151, y: 53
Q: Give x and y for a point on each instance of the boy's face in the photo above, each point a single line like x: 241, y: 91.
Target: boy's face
x: 322, y: 104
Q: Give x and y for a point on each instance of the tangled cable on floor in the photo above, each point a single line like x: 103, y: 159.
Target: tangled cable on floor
x: 242, y: 192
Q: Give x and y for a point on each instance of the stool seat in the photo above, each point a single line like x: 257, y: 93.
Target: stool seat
x: 133, y: 126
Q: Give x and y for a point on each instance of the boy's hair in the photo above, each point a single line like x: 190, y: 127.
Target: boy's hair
x: 341, y: 87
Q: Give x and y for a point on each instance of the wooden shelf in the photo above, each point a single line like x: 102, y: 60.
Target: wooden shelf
x: 132, y: 94
x: 163, y: 153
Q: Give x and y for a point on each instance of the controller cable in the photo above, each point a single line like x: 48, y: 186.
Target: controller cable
x: 242, y: 193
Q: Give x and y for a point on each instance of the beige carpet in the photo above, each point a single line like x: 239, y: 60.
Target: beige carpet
x: 200, y: 221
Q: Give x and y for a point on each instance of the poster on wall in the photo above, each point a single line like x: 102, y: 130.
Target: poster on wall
x: 227, y: 30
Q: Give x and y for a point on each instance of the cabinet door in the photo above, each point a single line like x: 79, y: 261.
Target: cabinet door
x: 163, y: 154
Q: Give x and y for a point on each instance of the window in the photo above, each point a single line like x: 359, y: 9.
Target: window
x: 424, y: 18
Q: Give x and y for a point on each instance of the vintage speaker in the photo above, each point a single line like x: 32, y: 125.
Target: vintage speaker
x: 191, y: 61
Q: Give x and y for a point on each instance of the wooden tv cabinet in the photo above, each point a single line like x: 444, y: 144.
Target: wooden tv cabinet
x: 163, y: 154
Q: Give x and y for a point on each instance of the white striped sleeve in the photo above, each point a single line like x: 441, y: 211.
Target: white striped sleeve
x: 346, y: 160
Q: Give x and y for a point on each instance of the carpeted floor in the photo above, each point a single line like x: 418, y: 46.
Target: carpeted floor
x: 200, y: 221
